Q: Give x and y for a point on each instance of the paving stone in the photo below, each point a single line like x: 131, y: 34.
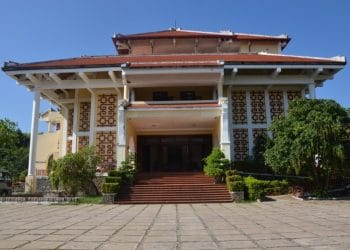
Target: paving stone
x: 10, y: 244
x: 80, y: 245
x: 315, y: 241
x: 58, y: 237
x: 91, y: 238
x: 198, y: 245
x: 276, y: 243
x: 158, y: 246
x: 168, y: 238
x: 184, y: 238
x: 70, y: 231
x: 115, y: 246
x: 231, y: 237
x: 243, y: 244
x: 38, y: 244
x: 127, y: 238
x: 39, y: 231
x: 25, y: 237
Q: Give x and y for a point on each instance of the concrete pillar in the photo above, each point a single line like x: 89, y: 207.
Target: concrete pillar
x: 92, y: 119
x: 121, y: 133
x: 64, y: 131
x: 30, y: 180
x: 75, y: 122
x: 312, y: 90
x: 225, y: 129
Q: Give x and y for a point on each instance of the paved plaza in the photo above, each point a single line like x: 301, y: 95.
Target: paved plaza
x: 282, y: 224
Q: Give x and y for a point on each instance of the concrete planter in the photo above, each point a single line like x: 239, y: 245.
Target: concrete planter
x: 109, y: 198
x: 237, y: 196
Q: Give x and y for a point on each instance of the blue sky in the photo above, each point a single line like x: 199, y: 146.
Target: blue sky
x: 43, y: 30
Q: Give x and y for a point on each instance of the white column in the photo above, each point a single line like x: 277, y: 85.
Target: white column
x: 224, y: 127
x: 312, y: 90
x: 92, y: 119
x: 49, y: 127
x: 34, y: 133
x: 249, y: 120
x: 75, y: 121
x: 132, y: 95
x: 64, y: 131
x: 121, y: 134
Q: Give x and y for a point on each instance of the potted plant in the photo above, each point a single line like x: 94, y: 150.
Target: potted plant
x: 216, y: 165
x: 110, y: 188
x: 237, y: 190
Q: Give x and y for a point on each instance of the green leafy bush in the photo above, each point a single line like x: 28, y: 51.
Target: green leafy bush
x: 75, y: 172
x: 112, y: 179
x: 216, y: 164
x: 255, y: 188
x: 113, y: 173
x: 110, y: 187
x: 231, y: 172
x: 237, y: 186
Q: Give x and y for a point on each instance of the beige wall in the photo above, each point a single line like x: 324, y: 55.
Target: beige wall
x: 257, y: 46
x: 48, y: 144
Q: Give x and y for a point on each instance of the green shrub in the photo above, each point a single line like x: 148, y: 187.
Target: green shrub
x: 279, y: 187
x: 75, y: 172
x: 110, y: 187
x: 113, y: 173
x: 110, y: 179
x: 237, y: 186
x: 216, y: 164
x: 255, y: 188
x: 231, y: 172
x: 22, y: 176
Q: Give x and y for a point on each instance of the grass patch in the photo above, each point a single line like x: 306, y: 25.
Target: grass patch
x: 90, y: 199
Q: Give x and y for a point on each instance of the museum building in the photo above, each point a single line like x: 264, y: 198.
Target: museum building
x: 171, y: 96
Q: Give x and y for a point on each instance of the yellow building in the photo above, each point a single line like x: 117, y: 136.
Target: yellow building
x: 170, y: 96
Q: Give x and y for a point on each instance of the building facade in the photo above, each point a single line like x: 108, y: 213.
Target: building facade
x: 170, y: 96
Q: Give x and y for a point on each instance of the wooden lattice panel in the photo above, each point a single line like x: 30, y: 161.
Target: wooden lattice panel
x: 276, y: 104
x: 293, y: 94
x: 83, y: 141
x: 239, y: 107
x: 240, y: 141
x: 84, y: 116
x: 106, y: 147
x: 257, y: 100
x: 107, y: 111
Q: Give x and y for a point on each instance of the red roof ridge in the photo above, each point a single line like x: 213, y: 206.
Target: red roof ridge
x: 224, y: 33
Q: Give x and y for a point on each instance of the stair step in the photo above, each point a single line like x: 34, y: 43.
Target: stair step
x: 176, y: 187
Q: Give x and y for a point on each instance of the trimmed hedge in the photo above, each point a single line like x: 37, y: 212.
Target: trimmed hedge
x: 231, y: 173
x: 110, y: 187
x: 112, y: 179
x: 113, y: 173
x: 255, y: 188
x: 236, y: 186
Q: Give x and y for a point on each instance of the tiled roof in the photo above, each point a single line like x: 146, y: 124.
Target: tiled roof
x: 178, y: 33
x: 178, y: 60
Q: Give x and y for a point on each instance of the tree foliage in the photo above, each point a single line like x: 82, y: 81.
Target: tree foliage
x: 14, y: 148
x: 313, y: 129
x: 216, y: 164
x: 75, y: 172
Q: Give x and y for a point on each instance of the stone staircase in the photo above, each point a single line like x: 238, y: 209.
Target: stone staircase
x: 173, y: 187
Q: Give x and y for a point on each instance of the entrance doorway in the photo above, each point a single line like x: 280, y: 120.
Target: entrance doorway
x: 172, y: 153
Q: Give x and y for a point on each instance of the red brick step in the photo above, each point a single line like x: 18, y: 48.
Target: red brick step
x: 173, y: 187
